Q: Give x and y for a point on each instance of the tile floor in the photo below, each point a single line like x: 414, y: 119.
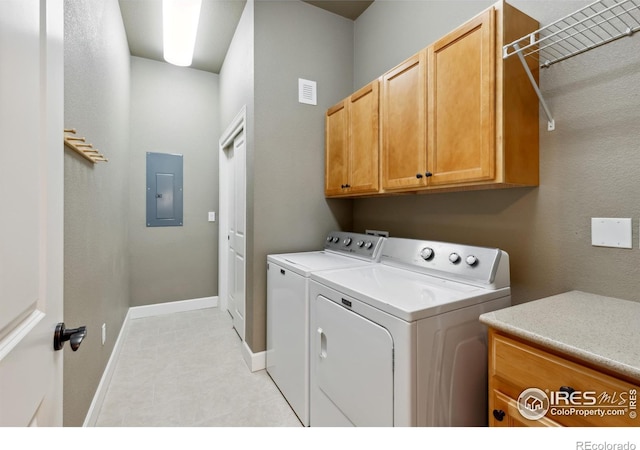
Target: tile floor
x: 185, y: 370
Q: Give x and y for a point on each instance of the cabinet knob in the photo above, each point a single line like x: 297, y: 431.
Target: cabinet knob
x: 418, y: 175
x: 344, y: 186
x: 428, y: 174
x: 498, y: 414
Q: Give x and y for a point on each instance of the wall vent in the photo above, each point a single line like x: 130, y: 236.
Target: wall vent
x: 307, y: 92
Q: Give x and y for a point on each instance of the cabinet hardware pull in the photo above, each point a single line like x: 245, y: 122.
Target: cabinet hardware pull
x: 418, y: 175
x: 428, y: 174
x: 568, y: 389
x: 498, y: 414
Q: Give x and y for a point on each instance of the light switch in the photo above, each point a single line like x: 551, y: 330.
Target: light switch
x: 611, y: 232
x: 212, y: 216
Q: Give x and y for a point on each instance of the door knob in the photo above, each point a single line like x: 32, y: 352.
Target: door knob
x: 73, y: 335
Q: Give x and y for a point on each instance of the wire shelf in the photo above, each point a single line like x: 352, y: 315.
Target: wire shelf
x: 594, y: 25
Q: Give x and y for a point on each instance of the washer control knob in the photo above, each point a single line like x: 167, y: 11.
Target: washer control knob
x: 335, y: 239
x: 368, y: 245
x: 329, y: 238
x: 360, y: 244
x: 427, y: 253
x: 472, y: 260
x: 347, y: 241
x: 454, y: 258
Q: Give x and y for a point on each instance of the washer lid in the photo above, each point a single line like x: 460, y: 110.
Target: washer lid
x: 407, y: 295
x: 306, y: 262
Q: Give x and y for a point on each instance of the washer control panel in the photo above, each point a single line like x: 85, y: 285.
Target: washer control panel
x: 355, y: 244
x: 443, y: 259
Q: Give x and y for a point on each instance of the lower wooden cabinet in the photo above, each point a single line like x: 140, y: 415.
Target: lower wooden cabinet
x: 532, y: 386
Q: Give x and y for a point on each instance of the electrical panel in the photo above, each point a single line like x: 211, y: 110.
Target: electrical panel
x: 164, y: 190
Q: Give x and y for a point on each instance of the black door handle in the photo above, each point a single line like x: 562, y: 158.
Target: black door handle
x: 73, y: 335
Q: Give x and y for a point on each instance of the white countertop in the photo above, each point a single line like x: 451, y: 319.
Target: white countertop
x: 601, y: 330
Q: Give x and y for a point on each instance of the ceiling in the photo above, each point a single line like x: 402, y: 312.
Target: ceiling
x: 218, y: 20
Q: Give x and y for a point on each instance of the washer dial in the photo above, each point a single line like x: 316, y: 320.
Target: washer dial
x: 427, y: 253
x: 472, y: 260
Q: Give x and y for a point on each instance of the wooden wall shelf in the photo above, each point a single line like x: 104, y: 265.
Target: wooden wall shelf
x: 79, y: 145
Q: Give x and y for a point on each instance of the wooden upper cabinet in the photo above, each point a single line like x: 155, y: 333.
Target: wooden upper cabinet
x: 455, y: 116
x: 364, y: 158
x: 404, y: 124
x: 336, y: 149
x: 352, y: 150
x: 462, y: 88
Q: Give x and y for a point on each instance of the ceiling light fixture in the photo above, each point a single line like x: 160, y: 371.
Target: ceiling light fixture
x: 179, y: 26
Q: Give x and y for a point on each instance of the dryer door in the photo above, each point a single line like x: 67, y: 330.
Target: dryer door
x: 352, y: 370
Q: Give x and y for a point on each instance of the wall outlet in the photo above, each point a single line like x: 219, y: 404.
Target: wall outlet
x: 212, y: 216
x: 104, y: 333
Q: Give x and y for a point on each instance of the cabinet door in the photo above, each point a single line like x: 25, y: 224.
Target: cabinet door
x: 404, y: 126
x: 336, y: 150
x: 363, y: 140
x: 462, y: 145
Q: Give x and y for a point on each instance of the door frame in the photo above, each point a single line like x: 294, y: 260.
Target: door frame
x: 237, y: 125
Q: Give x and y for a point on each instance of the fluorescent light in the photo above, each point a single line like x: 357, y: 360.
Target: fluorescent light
x: 179, y: 25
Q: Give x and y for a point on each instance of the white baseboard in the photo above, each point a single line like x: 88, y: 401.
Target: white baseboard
x: 255, y: 361
x: 138, y: 312
x: 96, y: 404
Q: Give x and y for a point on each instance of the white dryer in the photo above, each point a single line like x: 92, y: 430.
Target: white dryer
x: 399, y: 343
x: 287, y: 356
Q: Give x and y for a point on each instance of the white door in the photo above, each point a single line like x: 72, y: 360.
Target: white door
x: 236, y: 231
x: 351, y: 368
x: 31, y: 224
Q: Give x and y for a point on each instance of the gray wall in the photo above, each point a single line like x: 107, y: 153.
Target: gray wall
x: 289, y: 212
x: 587, y: 166
x: 236, y: 92
x: 174, y: 110
x: 96, y: 269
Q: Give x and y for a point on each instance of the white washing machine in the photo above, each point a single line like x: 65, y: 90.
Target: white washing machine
x: 399, y: 343
x: 287, y: 357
